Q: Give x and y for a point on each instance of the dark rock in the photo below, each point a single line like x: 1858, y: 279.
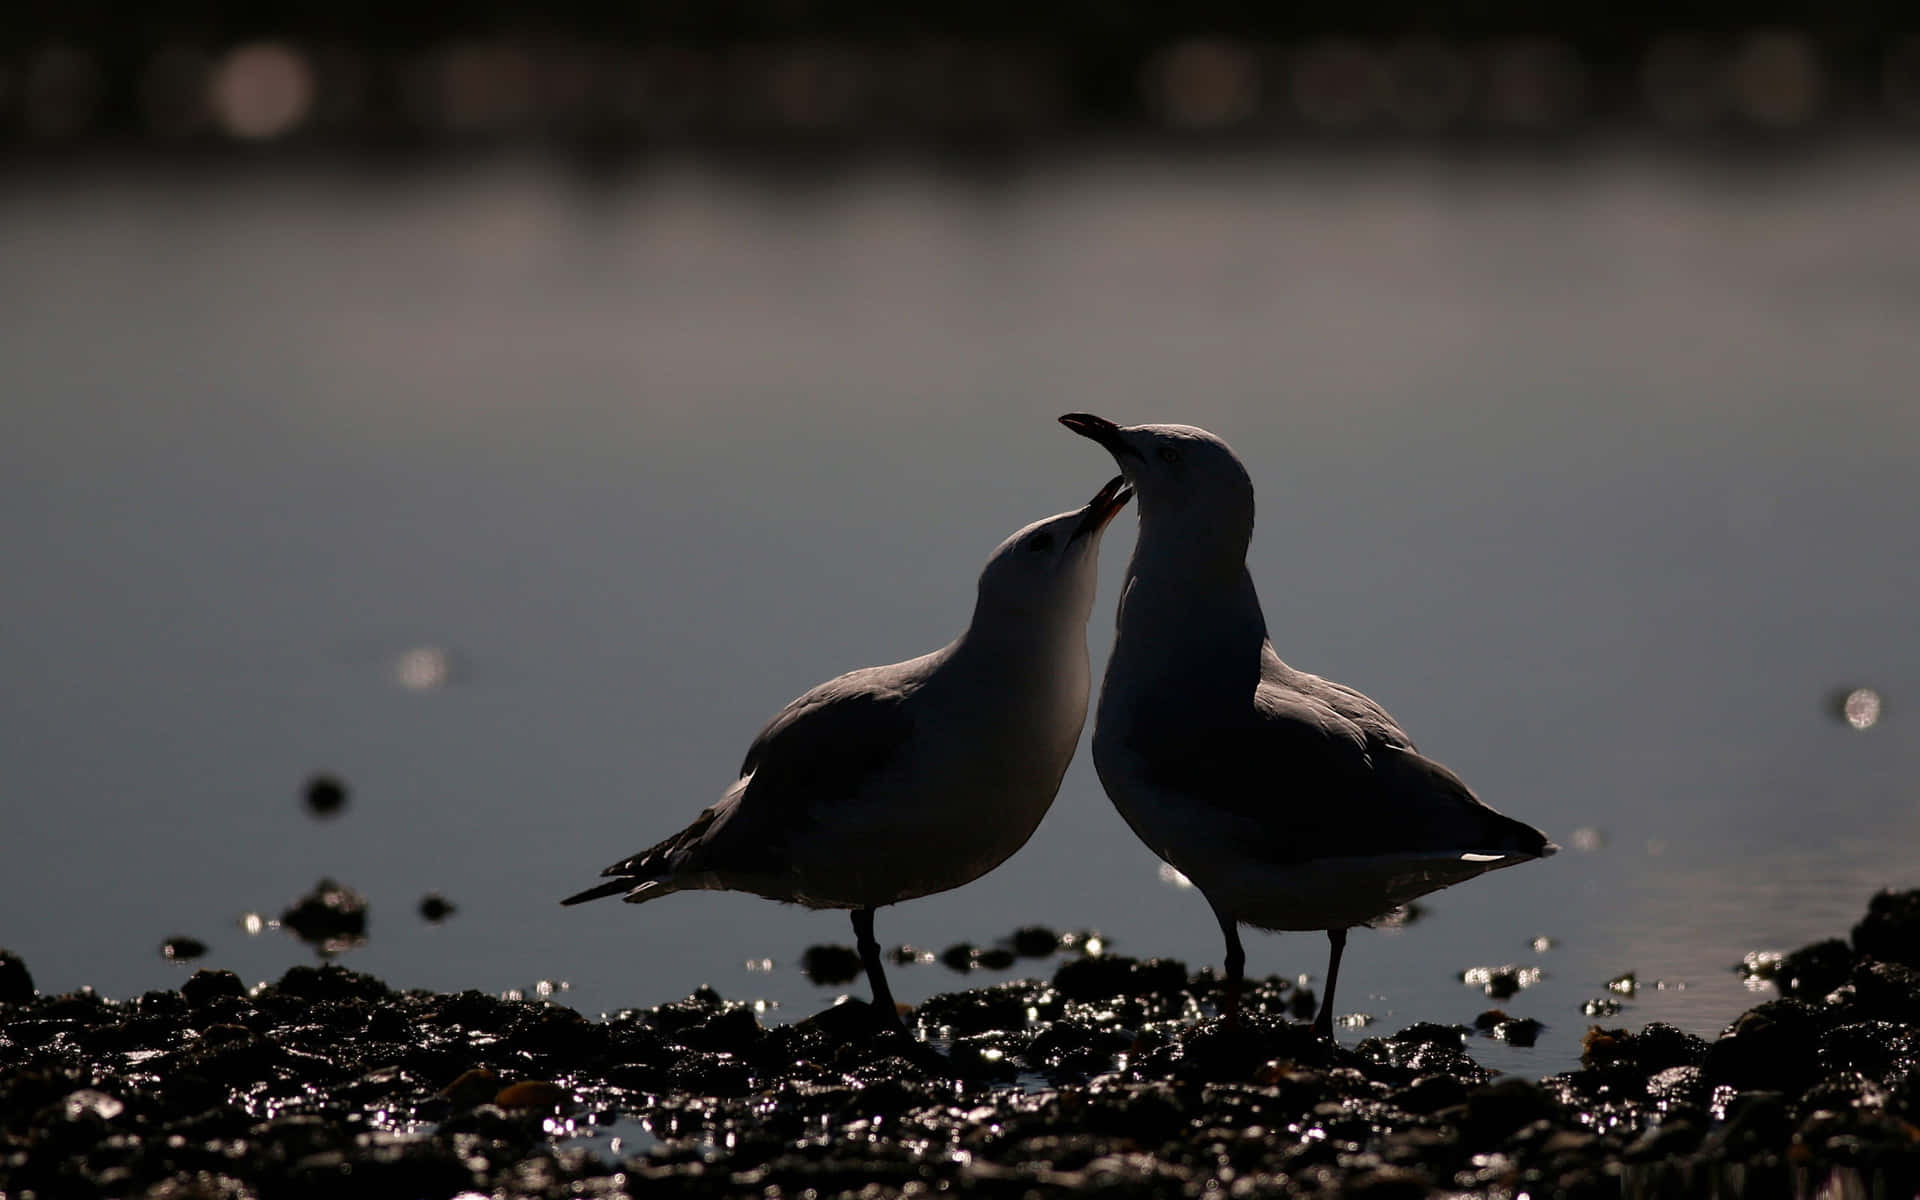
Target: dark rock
x: 436, y: 908
x: 330, y: 982
x: 1890, y: 931
x: 555, y: 1029
x: 735, y: 1030
x: 330, y: 917
x: 994, y: 958
x: 1429, y: 1094
x: 1758, y: 1122
x: 1888, y: 991
x: 1810, y: 972
x: 850, y: 1019
x: 1075, y: 1044
x: 203, y: 987
x: 182, y: 949
x: 1655, y: 1048
x: 830, y: 965
x: 1668, y: 1139
x: 1497, y: 1109
x: 1774, y: 1046
x: 1002, y: 1007
x: 1104, y: 977
x: 684, y: 1014
x: 325, y: 795
x: 1879, y: 1049
x: 1216, y: 1053
x: 1035, y: 941
x: 1518, y: 1031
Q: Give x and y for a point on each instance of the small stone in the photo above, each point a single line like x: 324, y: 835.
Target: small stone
x: 1890, y: 931
x: 182, y: 949
x: 1810, y: 972
x: 1518, y: 1031
x: 472, y: 1087
x: 830, y: 965
x: 1035, y: 941
x: 330, y: 917
x: 534, y: 1093
x: 325, y: 795
x: 204, y: 987
x: 16, y: 982
x: 994, y: 958
x: 1501, y: 982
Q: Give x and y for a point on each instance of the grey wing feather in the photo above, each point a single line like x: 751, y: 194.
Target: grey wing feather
x: 820, y: 748
x: 1309, y: 781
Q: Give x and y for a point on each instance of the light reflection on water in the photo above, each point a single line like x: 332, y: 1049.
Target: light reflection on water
x: 1589, y: 471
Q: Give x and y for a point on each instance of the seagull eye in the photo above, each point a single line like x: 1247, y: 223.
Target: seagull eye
x: 1169, y: 455
x: 1040, y: 541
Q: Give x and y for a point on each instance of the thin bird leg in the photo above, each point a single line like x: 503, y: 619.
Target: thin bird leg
x: 884, y: 1008
x: 1323, y: 1024
x: 1236, y: 965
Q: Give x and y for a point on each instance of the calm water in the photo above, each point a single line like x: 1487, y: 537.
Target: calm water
x: 1598, y: 473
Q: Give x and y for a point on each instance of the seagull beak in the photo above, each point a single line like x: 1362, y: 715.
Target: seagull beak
x: 1107, y: 502
x: 1103, y: 431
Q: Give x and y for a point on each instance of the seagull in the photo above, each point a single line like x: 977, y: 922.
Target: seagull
x: 1290, y: 801
x: 891, y: 783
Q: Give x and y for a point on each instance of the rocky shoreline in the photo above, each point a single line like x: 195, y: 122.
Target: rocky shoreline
x: 1111, y: 1075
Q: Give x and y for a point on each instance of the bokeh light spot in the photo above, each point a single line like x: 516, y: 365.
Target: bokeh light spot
x: 261, y: 91
x: 1860, y: 708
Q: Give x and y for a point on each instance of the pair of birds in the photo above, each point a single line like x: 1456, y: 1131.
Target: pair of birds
x: 1291, y: 802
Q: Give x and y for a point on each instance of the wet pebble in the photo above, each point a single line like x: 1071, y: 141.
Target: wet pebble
x: 331, y: 917
x: 325, y: 795
x: 1034, y: 941
x: 16, y: 982
x: 1890, y: 932
x: 182, y: 949
x: 830, y: 965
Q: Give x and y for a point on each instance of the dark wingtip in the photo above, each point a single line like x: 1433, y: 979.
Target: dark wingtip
x: 617, y: 887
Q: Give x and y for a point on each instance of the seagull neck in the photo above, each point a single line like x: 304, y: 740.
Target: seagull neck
x: 1189, y: 596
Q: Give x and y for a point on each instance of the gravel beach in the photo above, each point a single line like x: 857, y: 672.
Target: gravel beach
x: 1112, y: 1075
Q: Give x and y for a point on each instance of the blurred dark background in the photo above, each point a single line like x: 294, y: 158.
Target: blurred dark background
x: 621, y: 78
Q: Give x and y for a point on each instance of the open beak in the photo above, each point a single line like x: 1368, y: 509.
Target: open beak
x: 1108, y: 501
x: 1100, y: 430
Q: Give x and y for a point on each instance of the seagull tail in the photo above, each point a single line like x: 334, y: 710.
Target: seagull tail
x: 633, y: 891
x: 594, y: 893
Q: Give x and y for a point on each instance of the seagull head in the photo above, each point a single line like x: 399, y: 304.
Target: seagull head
x: 1181, y: 473
x: 1050, y: 565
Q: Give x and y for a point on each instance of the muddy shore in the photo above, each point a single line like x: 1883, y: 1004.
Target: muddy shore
x: 1111, y: 1075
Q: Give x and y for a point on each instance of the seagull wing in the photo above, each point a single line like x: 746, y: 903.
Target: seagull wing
x: 820, y: 750
x: 1299, y: 780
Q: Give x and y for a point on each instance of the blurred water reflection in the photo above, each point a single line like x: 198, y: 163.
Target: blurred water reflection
x: 1598, y: 474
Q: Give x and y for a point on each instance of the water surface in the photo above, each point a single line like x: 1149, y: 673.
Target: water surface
x: 1596, y: 472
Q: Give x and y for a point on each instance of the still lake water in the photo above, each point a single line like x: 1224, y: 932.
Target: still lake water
x: 1598, y: 472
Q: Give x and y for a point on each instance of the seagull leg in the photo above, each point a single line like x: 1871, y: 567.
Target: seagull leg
x: 884, y: 1008
x: 1323, y: 1024
x: 1236, y: 964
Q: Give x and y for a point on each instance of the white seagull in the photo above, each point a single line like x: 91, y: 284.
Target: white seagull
x: 895, y: 782
x: 1290, y: 801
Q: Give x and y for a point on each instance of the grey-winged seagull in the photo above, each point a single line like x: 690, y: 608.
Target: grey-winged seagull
x: 1291, y: 802
x: 895, y: 782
